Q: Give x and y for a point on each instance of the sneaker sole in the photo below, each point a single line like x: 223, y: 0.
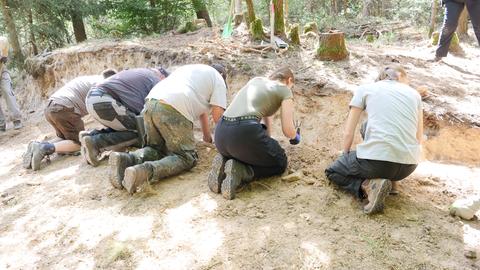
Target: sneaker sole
x: 130, y: 181
x: 228, y: 189
x: 379, y: 202
x: 217, y: 174
x: 115, y: 178
x: 36, y: 163
x: 27, y: 157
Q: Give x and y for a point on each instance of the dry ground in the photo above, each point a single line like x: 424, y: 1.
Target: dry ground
x: 67, y: 215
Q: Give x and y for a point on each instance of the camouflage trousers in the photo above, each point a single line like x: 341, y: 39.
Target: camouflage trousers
x: 170, y: 144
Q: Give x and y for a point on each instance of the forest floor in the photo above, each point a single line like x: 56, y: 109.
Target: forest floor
x: 68, y: 216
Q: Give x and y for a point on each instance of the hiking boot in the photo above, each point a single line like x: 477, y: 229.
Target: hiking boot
x: 135, y: 177
x: 17, y: 124
x: 27, y: 156
x: 39, y: 151
x: 376, y: 191
x: 217, y: 173
x: 236, y: 173
x: 118, y: 162
x: 89, y: 150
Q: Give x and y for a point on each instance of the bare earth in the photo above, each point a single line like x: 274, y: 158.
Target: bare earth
x: 68, y: 216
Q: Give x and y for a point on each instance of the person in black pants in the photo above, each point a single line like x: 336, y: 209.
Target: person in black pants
x: 453, y: 9
x: 246, y: 150
x: 392, y: 136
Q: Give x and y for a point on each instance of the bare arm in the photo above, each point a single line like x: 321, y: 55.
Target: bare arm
x: 288, y: 127
x: 420, y: 127
x: 207, y: 137
x: 217, y: 113
x: 268, y: 124
x: 349, y: 134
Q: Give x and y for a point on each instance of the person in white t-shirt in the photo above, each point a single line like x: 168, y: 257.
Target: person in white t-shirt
x: 187, y: 95
x: 392, y: 138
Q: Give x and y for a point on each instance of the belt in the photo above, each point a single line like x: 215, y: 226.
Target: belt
x: 240, y: 118
x: 96, y: 93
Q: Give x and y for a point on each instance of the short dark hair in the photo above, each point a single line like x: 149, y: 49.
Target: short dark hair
x: 221, y: 69
x: 282, y: 74
x: 108, y: 72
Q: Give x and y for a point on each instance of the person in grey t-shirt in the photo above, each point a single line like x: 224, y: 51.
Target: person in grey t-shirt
x: 392, y: 135
x: 64, y: 112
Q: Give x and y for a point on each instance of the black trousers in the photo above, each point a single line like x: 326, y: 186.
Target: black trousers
x: 349, y: 172
x: 452, y: 14
x: 247, y: 141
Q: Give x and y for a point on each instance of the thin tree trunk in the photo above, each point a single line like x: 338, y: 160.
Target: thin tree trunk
x: 279, y: 24
x: 367, y: 6
x: 462, y: 29
x: 251, y: 11
x: 78, y: 26
x: 12, y: 33
x: 201, y: 11
x: 238, y: 7
x: 433, y: 18
x: 32, y: 33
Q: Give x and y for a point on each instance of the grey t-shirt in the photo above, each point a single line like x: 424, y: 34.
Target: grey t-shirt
x: 393, y: 113
x: 73, y: 94
x: 260, y: 97
x: 131, y: 87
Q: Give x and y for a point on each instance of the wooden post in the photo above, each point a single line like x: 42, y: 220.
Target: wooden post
x: 272, y: 23
x: 433, y: 18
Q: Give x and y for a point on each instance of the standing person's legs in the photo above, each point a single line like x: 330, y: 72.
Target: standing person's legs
x: 3, y: 124
x: 177, y: 132
x: 473, y: 7
x: 7, y: 93
x: 450, y: 23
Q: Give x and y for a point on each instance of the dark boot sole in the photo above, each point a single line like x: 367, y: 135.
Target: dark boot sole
x: 116, y: 175
x: 217, y: 174
x: 36, y: 162
x: 86, y: 143
x: 378, y: 203
x: 27, y: 157
x: 228, y: 185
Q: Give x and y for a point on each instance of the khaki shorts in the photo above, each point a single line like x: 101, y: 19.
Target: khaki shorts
x: 65, y: 121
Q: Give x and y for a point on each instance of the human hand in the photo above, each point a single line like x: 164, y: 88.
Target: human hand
x: 207, y: 138
x: 297, y: 138
x: 3, y: 59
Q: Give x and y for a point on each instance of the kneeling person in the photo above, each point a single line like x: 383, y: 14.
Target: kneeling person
x: 172, y: 106
x: 246, y: 150
x: 392, y: 138
x: 115, y: 103
x: 64, y: 112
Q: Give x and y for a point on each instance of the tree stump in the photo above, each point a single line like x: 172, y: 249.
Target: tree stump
x: 310, y: 27
x: 454, y: 45
x: 256, y: 29
x: 332, y: 46
x: 294, y: 34
x: 238, y: 19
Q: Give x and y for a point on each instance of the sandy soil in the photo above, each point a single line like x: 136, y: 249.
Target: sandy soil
x: 67, y: 215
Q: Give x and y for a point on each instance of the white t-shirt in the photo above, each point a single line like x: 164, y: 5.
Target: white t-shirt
x: 191, y: 90
x: 393, y: 114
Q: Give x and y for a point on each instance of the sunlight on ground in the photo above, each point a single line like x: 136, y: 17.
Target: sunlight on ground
x: 8, y: 159
x: 192, y: 236
x: 314, y: 258
x: 457, y: 176
x: 61, y: 173
x: 471, y: 237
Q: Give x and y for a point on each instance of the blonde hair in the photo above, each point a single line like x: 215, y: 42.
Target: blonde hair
x: 282, y: 74
x: 391, y: 72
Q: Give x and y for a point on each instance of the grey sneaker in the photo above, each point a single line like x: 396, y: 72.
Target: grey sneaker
x: 217, y: 173
x: 135, y: 177
x: 236, y: 173
x: 37, y: 155
x: 377, y: 190
x: 17, y: 124
x: 27, y: 156
x: 118, y: 162
x: 89, y: 151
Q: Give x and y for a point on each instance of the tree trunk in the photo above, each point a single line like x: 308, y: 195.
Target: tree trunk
x: 433, y: 18
x: 153, y: 5
x: 279, y: 25
x: 251, y: 12
x: 238, y: 7
x: 332, y: 46
x: 462, y: 29
x: 78, y: 26
x: 32, y: 33
x: 367, y: 8
x: 201, y: 11
x: 12, y: 33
